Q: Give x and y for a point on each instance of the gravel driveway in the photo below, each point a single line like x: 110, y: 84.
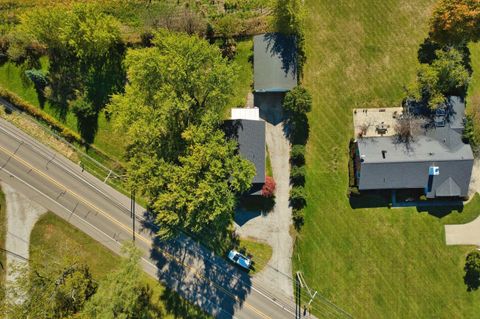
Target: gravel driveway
x: 274, y: 227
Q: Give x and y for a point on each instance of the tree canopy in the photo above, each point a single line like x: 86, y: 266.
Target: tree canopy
x: 85, y: 55
x: 123, y: 294
x: 445, y: 75
x: 178, y: 157
x: 456, y: 22
x: 472, y: 270
x: 57, y: 290
x: 170, y: 86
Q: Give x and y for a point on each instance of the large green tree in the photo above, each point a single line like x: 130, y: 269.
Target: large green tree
x: 170, y: 86
x: 85, y: 53
x: 48, y: 290
x: 445, y: 75
x: 456, y: 22
x: 198, y: 194
x: 123, y: 294
x: 179, y: 159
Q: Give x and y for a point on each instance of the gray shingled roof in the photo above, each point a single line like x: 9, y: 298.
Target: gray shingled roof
x: 275, y: 62
x: 250, y: 135
x: 386, y: 164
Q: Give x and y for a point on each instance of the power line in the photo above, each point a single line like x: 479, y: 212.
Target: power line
x: 151, y: 226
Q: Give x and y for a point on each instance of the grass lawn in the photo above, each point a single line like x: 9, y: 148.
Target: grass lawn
x: 260, y: 251
x: 106, y: 139
x: 374, y: 263
x: 3, y: 232
x: 243, y: 84
x: 268, y: 165
x: 56, y: 237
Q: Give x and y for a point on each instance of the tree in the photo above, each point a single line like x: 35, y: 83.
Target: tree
x: 170, y: 86
x: 407, y: 128
x: 123, y: 294
x: 177, y: 156
x: 297, y: 197
x: 297, y: 155
x: 85, y: 52
x: 446, y: 75
x: 298, y: 101
x: 456, y: 22
x: 49, y: 290
x: 268, y: 189
x: 472, y: 270
x: 199, y: 194
x: 297, y: 175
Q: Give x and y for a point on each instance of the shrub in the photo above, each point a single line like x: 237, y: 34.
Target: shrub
x: 297, y: 197
x: 353, y: 191
x: 297, y: 175
x: 297, y: 101
x: 472, y: 270
x: 298, y: 217
x: 297, y: 155
x: 422, y: 198
x: 268, y: 189
x: 15, y: 100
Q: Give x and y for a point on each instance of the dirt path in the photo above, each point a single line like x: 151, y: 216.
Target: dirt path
x: 22, y: 214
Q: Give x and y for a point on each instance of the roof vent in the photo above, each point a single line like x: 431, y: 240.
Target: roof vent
x: 384, y: 154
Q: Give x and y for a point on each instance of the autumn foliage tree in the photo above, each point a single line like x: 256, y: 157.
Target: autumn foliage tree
x: 456, y: 22
x: 268, y: 189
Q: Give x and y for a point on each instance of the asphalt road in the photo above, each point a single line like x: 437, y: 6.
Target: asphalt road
x: 104, y: 214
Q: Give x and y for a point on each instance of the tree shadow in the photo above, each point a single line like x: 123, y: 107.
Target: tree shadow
x: 297, y: 129
x: 284, y: 46
x: 88, y: 127
x: 198, y: 275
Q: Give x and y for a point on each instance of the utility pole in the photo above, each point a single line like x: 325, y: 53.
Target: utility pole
x: 132, y: 212
x: 303, y: 283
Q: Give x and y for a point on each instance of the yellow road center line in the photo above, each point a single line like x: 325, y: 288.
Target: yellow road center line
x: 123, y: 226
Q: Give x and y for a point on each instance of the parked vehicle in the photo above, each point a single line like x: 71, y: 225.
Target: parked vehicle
x: 240, y: 259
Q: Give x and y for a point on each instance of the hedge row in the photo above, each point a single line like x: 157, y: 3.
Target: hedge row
x: 65, y: 132
x: 38, y: 114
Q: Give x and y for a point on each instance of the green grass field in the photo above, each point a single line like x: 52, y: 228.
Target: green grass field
x: 54, y: 236
x: 374, y: 263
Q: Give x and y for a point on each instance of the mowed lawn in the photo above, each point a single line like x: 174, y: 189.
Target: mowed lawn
x: 377, y: 262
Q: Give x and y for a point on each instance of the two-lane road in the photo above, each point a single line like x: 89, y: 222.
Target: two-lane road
x: 104, y: 214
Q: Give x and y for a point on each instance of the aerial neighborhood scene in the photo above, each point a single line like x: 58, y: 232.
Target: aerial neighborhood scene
x: 239, y: 159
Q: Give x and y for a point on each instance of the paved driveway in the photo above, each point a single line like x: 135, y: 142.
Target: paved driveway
x: 467, y: 234
x: 273, y: 227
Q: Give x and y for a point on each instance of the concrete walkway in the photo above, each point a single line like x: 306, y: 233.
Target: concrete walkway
x: 274, y: 227
x: 467, y: 234
x: 22, y: 214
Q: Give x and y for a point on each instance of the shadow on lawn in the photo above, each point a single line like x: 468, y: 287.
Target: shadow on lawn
x: 441, y: 211
x: 377, y: 199
x: 198, y: 275
x: 370, y: 199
